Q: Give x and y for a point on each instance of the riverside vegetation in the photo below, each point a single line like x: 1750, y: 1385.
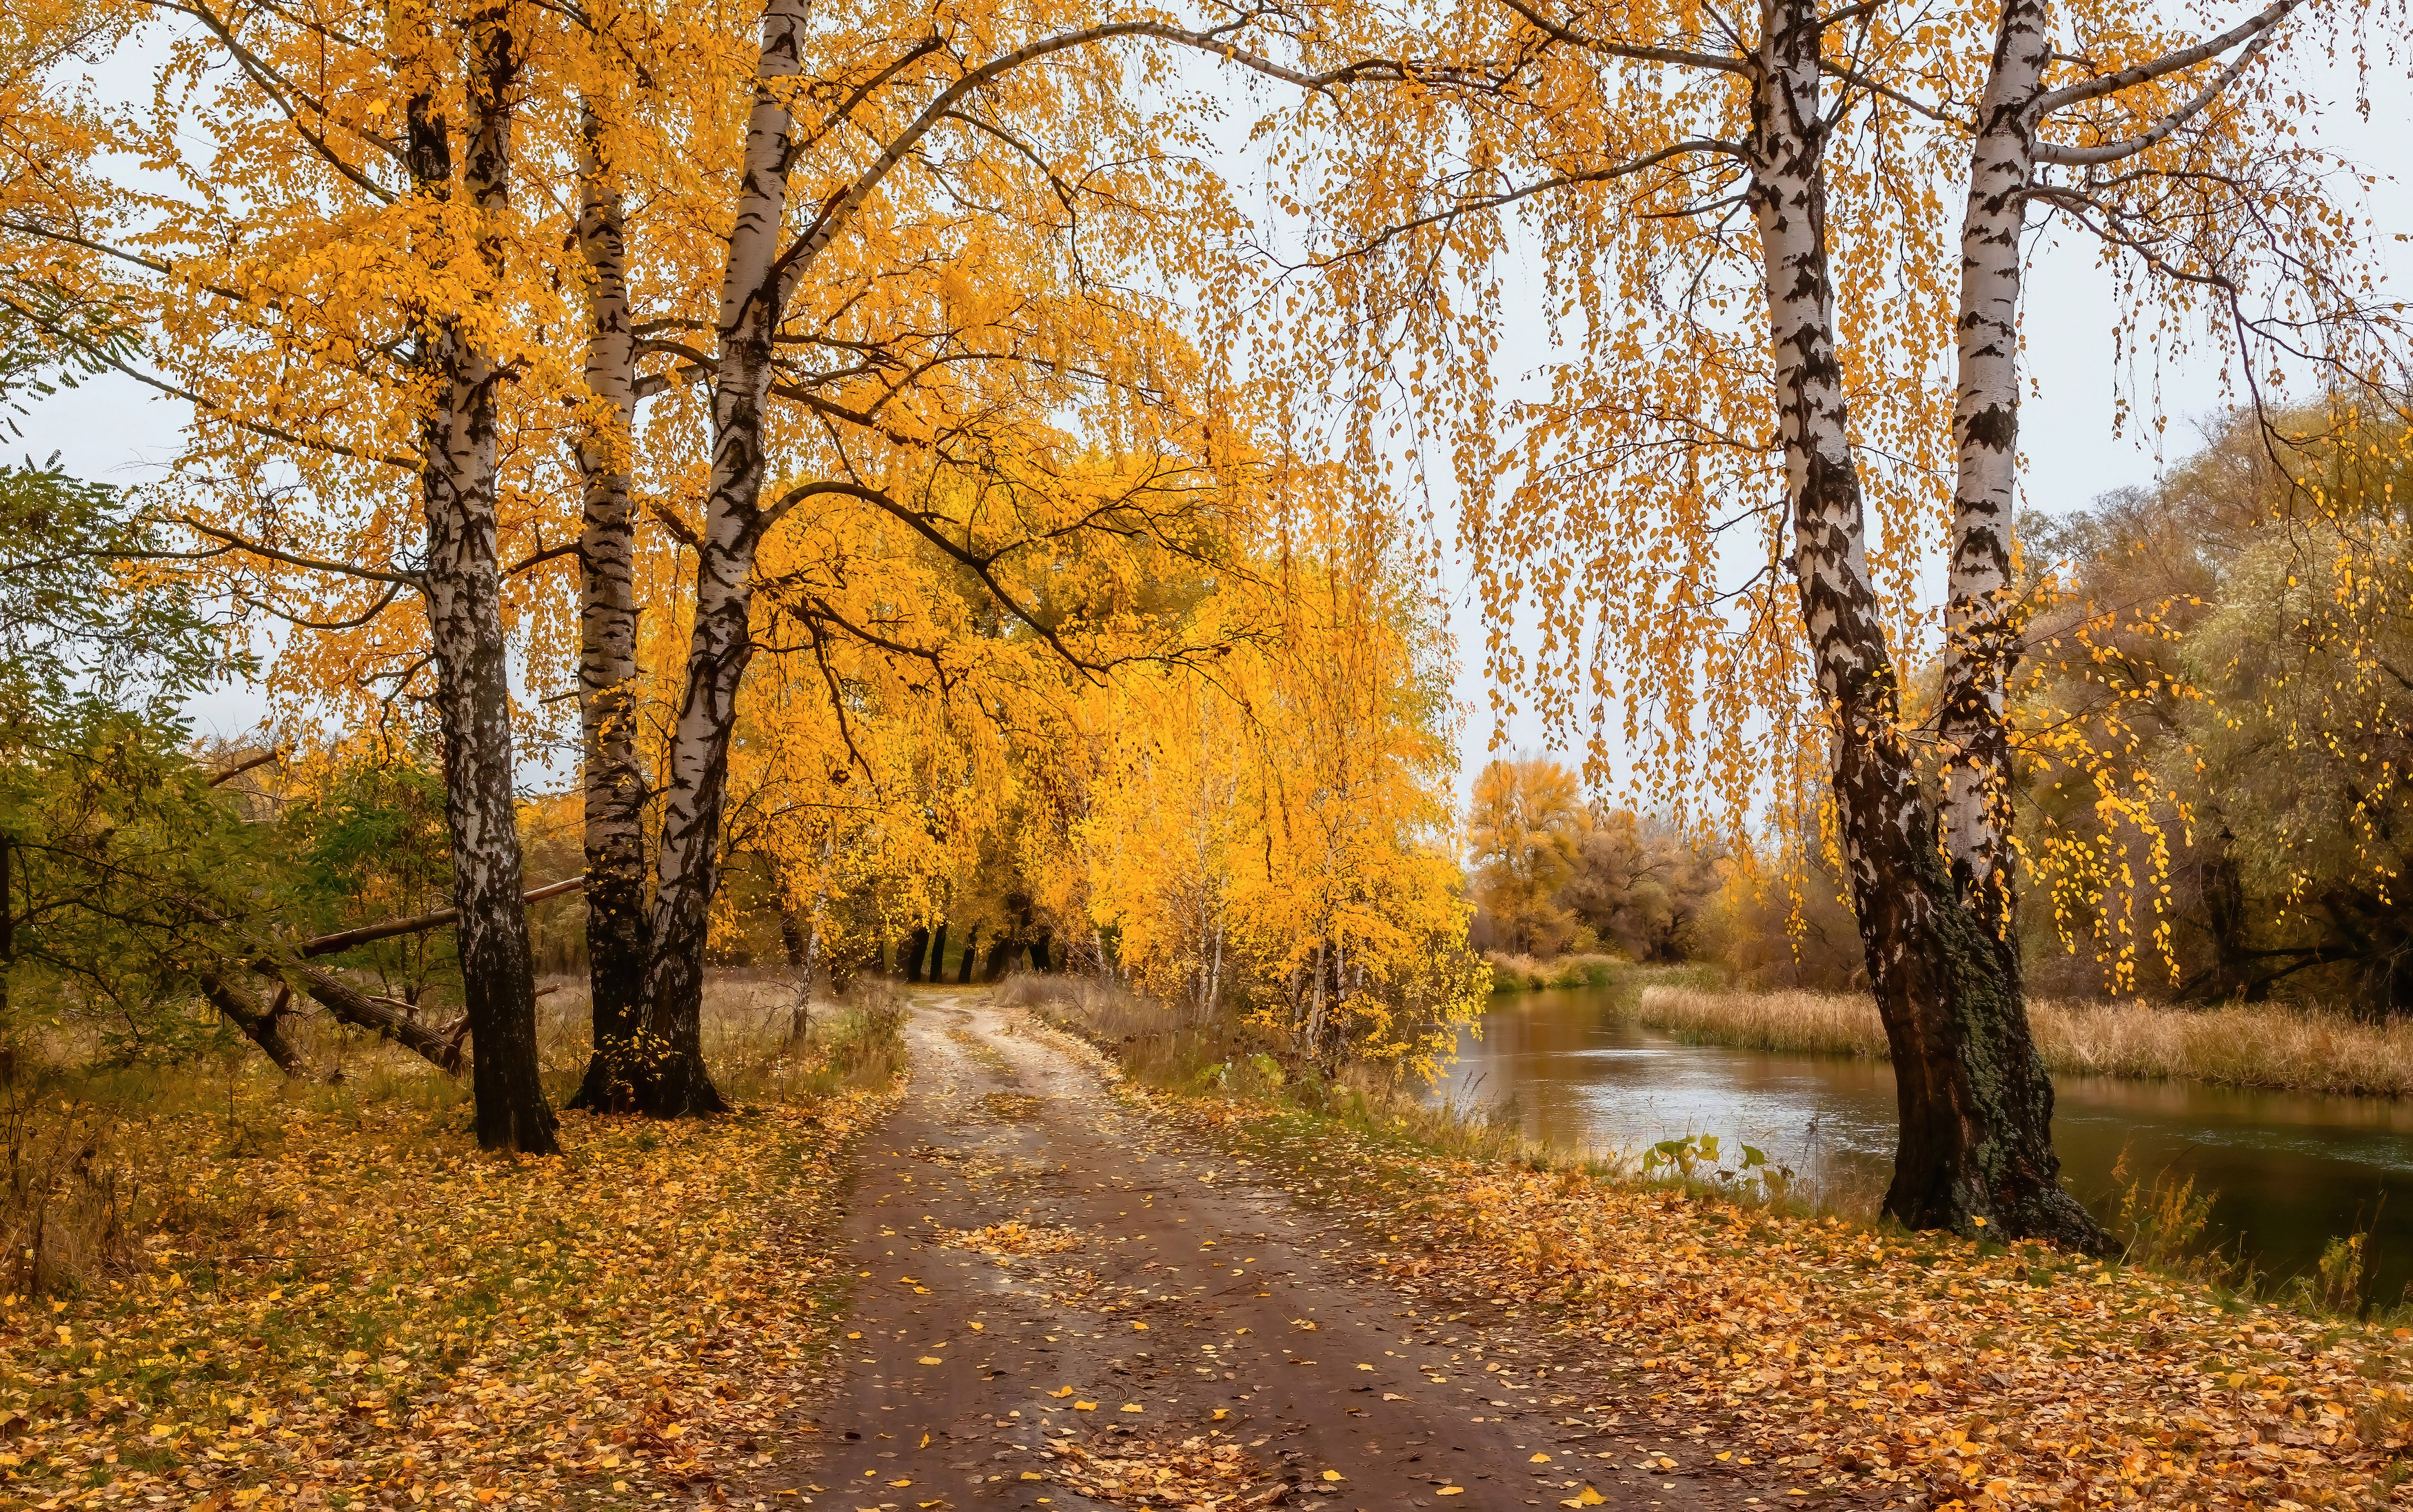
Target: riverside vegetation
x: 2274, y: 1046
x: 1848, y: 1360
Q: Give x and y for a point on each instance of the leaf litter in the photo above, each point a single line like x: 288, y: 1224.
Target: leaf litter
x: 369, y: 1311
x: 1890, y: 1367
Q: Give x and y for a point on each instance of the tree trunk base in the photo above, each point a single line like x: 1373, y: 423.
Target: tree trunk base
x: 680, y: 1088
x: 606, y: 1086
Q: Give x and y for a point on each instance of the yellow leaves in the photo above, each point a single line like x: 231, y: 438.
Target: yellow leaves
x: 1449, y: 1490
x: 1132, y: 1407
x: 932, y: 1359
x: 1539, y: 1460
x: 1084, y: 1406
x: 1061, y: 1391
x: 1587, y: 1497
x: 601, y: 1294
x: 1138, y: 1325
x: 1334, y: 1475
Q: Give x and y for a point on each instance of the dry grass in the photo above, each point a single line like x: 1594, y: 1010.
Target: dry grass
x: 2263, y: 1045
x: 1512, y: 973
x: 80, y: 1183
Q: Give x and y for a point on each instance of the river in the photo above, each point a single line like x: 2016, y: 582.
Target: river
x: 2291, y: 1171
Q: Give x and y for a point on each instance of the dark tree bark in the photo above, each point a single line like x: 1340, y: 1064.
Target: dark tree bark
x: 1040, y: 942
x: 1976, y: 1144
x: 908, y: 953
x: 939, y: 953
x: 464, y: 585
x: 1001, y: 958
x: 972, y: 955
x: 619, y: 936
x: 791, y: 933
x: 264, y: 1026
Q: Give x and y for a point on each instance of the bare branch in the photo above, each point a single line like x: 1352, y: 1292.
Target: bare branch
x: 408, y: 579
x: 2170, y: 63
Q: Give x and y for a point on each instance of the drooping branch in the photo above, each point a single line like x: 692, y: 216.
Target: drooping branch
x: 244, y: 543
x: 2112, y: 152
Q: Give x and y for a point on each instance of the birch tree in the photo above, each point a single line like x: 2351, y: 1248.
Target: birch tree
x: 895, y: 360
x: 346, y: 334
x: 1637, y: 143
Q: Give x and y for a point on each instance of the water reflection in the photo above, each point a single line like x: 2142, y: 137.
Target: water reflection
x: 2292, y: 1170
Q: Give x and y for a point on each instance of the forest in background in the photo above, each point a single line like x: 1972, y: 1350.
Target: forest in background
x: 2210, y: 796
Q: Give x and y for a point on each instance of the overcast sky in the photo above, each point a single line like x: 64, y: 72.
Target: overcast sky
x: 116, y: 431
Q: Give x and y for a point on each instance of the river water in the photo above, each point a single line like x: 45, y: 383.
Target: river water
x: 2291, y: 1171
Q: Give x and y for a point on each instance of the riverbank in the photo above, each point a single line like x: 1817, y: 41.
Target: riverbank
x: 2264, y: 1046
x: 1835, y: 1362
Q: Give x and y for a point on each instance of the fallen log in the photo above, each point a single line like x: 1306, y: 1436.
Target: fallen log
x: 348, y: 1003
x: 357, y: 1008
x: 346, y: 939
x: 263, y: 1027
x: 239, y: 767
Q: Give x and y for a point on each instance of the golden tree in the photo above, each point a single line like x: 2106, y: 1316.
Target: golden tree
x: 1743, y: 238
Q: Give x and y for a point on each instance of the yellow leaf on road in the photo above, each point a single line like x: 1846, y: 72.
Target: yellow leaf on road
x: 1061, y: 1391
x: 932, y: 1359
x: 1132, y: 1407
x: 1587, y: 1497
x: 1451, y: 1491
x: 1539, y: 1460
x: 1084, y: 1406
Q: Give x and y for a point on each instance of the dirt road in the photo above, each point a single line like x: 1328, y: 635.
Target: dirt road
x: 1062, y: 1304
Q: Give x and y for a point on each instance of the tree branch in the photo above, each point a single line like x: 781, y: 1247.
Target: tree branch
x: 2185, y: 57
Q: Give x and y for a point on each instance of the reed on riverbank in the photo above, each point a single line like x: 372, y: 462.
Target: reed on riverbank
x: 1512, y: 973
x: 2264, y: 1045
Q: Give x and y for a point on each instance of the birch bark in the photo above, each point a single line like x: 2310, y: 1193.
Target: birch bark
x: 1980, y: 639
x: 457, y: 445
x: 675, y: 1082
x: 1975, y: 1146
x: 618, y: 928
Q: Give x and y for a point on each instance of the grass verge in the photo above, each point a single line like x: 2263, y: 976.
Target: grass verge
x: 305, y: 1296
x: 1857, y: 1363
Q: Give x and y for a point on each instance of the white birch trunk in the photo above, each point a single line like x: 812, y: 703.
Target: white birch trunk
x: 695, y: 788
x: 618, y: 933
x: 1976, y: 1107
x: 457, y: 444
x: 1979, y: 642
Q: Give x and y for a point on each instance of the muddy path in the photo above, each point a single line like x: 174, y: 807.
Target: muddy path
x: 1062, y: 1304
